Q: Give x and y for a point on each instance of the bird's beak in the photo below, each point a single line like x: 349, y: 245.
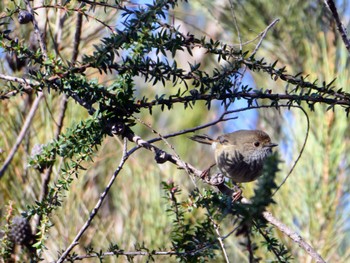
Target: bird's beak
x: 271, y: 145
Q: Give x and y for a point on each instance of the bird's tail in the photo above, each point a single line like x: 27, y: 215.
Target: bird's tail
x: 202, y: 139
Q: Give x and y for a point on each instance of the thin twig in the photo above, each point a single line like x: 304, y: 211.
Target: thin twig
x: 263, y: 35
x: 150, y: 253
x: 26, y: 82
x: 300, y: 152
x: 77, y: 38
x: 22, y: 133
x: 161, y: 155
x: 197, y: 128
x: 294, y: 236
x: 161, y: 137
x: 221, y: 241
x: 79, y: 10
x: 47, y: 176
x: 98, y: 205
x: 236, y: 25
x: 340, y: 26
x: 26, y: 85
x: 37, y: 31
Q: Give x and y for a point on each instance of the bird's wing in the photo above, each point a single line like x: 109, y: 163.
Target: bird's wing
x: 225, y: 139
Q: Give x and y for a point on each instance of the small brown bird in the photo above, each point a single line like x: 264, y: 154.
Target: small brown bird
x: 240, y: 155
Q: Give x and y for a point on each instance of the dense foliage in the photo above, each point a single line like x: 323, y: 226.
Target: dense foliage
x: 112, y: 85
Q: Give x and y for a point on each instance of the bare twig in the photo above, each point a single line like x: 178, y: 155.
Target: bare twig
x: 161, y: 137
x: 150, y: 253
x: 98, y: 205
x: 46, y: 177
x: 160, y: 155
x: 197, y: 128
x: 294, y: 236
x: 26, y: 82
x: 37, y: 31
x: 274, y: 22
x: 221, y: 242
x: 340, y: 26
x: 79, y: 10
x: 236, y: 25
x: 300, y: 152
x: 22, y: 133
x: 77, y: 38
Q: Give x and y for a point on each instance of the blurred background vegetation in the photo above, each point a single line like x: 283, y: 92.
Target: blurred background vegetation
x: 313, y: 201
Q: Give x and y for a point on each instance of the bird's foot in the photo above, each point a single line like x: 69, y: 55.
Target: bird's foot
x: 237, y: 194
x: 205, y: 173
x: 215, y: 179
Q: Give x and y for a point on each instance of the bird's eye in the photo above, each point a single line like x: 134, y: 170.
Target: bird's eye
x: 256, y: 144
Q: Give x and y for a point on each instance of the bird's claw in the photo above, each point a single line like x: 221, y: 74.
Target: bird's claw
x: 215, y: 179
x: 237, y: 194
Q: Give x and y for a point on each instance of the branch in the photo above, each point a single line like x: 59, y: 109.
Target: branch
x: 236, y: 25
x: 80, y: 11
x: 77, y: 38
x: 294, y: 236
x: 340, y: 26
x: 47, y: 175
x: 37, y: 31
x: 97, y: 206
x: 274, y: 22
x: 27, y: 85
x: 246, y: 95
x: 22, y: 133
x: 26, y: 82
